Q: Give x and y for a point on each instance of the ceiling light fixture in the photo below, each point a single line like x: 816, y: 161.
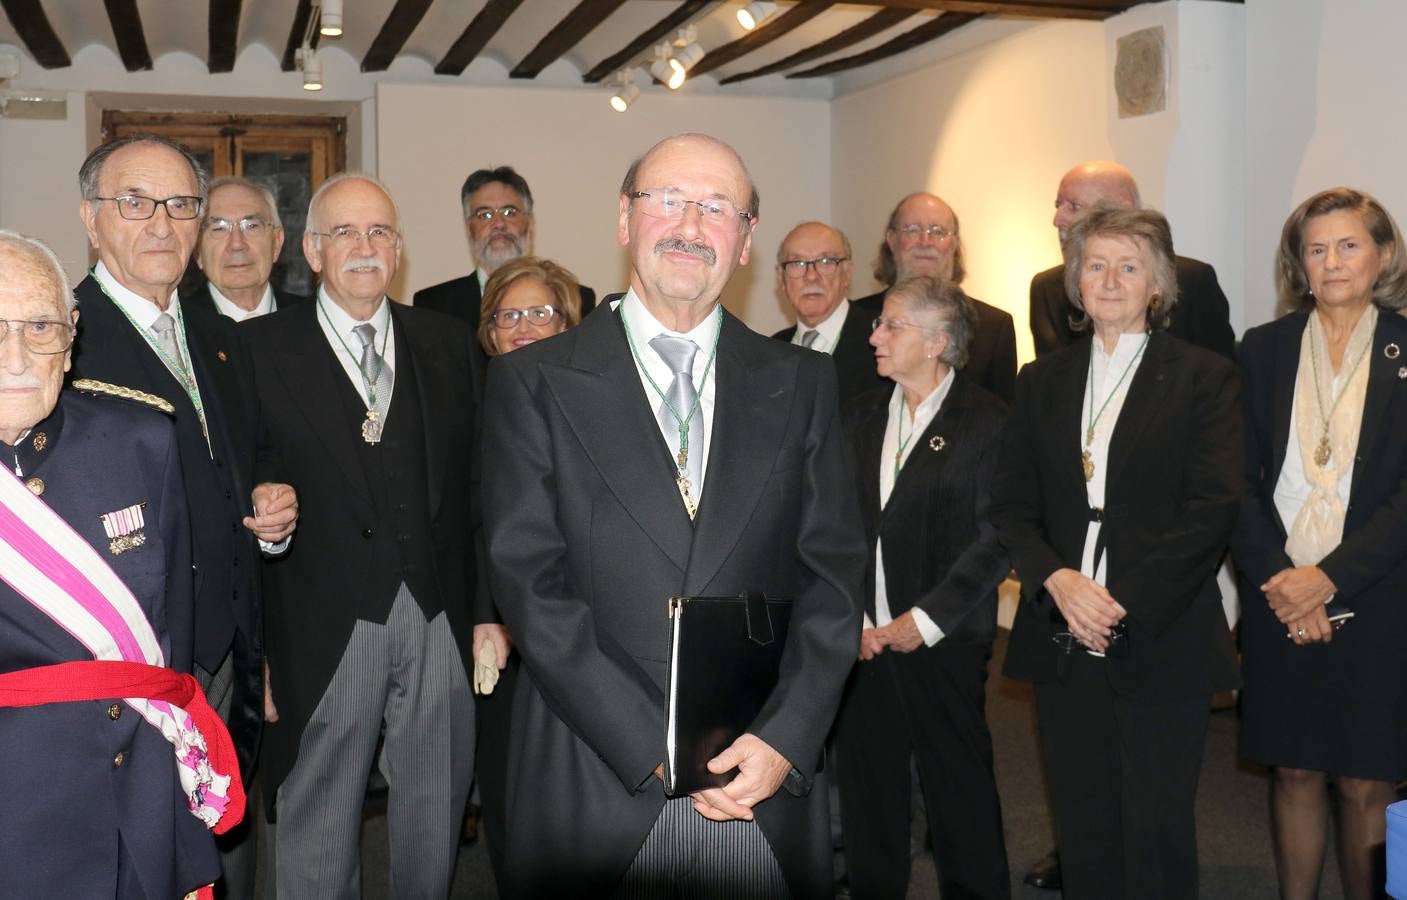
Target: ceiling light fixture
x: 685, y: 36
x: 307, y: 61
x: 755, y: 13
x: 686, y: 59
x: 626, y: 90
x: 662, y: 71
x: 330, y: 18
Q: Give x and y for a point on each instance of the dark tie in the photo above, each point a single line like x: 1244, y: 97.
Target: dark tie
x: 678, y: 353
x: 378, y: 375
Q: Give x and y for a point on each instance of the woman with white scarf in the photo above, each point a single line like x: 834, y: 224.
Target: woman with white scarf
x: 1321, y: 543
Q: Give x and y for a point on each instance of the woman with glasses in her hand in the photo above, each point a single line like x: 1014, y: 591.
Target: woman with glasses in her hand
x: 1119, y: 485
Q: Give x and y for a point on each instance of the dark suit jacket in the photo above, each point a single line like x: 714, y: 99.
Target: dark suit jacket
x: 588, y: 539
x: 1201, y: 316
x: 202, y: 298
x: 991, y: 357
x: 218, y: 474
x: 304, y: 440
x: 1173, y: 492
x: 461, y: 297
x: 853, y: 356
x: 66, y: 807
x: 941, y: 552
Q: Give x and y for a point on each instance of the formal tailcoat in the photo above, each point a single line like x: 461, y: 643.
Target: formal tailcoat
x: 323, y: 584
x: 991, y: 356
x: 1341, y: 706
x: 75, y: 821
x: 1172, y: 494
x: 1201, y: 316
x: 282, y: 299
x: 853, y: 356
x: 219, y: 477
x: 588, y: 538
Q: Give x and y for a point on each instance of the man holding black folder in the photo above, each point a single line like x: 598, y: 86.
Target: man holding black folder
x: 663, y: 449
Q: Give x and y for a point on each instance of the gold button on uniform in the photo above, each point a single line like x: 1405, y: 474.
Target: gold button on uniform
x: 118, y: 759
x: 114, y: 712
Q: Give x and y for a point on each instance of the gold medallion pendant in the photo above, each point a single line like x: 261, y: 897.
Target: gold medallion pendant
x: 689, y: 504
x: 1322, y: 452
x: 1088, y: 464
x: 371, y: 428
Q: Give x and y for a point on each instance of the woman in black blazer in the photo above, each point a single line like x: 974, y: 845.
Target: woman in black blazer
x: 1119, y: 484
x: 1322, y: 535
x: 925, y: 452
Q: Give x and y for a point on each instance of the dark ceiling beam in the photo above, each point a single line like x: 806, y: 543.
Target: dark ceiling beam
x: 885, y: 18
x: 28, y: 19
x: 929, y: 31
x: 1053, y: 9
x: 127, y: 29
x: 395, y: 31
x: 585, y: 16
x: 296, y: 32
x: 224, y: 34
x: 481, y: 30
x: 761, y: 36
x: 637, y: 48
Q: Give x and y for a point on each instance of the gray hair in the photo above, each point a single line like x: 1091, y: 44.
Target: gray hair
x: 1291, y: 280
x: 44, y: 258
x: 949, y: 305
x: 504, y: 175
x: 1146, y: 227
x: 92, y: 169
x: 259, y: 188
x: 844, y: 241
x: 311, y: 227
x: 886, y: 270
x: 754, y: 200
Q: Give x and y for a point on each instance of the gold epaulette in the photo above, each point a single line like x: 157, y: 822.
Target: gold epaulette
x: 116, y: 390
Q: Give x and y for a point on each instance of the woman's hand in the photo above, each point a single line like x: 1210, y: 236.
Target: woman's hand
x: 1314, y: 628
x: 1294, y: 593
x: 1089, y: 610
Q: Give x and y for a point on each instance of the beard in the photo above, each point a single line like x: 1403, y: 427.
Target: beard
x: 497, y: 249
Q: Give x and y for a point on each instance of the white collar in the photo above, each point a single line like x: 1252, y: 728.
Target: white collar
x: 644, y: 327
x: 227, y: 307
x: 483, y: 280
x: 828, y: 329
x: 342, y: 321
x: 928, y: 407
x: 142, y: 310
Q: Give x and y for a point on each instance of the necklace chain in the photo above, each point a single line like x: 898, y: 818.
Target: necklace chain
x: 681, y: 421
x: 1324, y: 452
x: 385, y: 336
x: 1095, y: 416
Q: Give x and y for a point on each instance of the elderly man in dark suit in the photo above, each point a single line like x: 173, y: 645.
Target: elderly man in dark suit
x: 141, y: 207
x: 240, y: 240
x: 660, y: 449
x: 1202, y: 315
x: 922, y: 238
x: 368, y: 406
x: 814, y: 265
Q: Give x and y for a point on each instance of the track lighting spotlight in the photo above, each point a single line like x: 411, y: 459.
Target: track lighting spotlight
x: 311, y: 66
x: 660, y: 69
x: 685, y: 59
x: 755, y: 13
x: 626, y: 90
x: 331, y: 18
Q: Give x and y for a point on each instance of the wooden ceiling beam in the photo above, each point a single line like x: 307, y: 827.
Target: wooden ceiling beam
x: 885, y: 18
x: 929, y: 31
x: 481, y: 30
x: 638, y: 47
x: 224, y: 34
x: 395, y: 31
x: 761, y: 36
x: 296, y: 32
x: 1055, y: 9
x: 127, y: 30
x: 28, y: 19
x: 576, y: 25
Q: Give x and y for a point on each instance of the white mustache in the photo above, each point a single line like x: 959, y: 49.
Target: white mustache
x: 369, y: 262
x: 23, y: 382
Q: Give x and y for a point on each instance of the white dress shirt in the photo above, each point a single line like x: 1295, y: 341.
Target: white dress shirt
x: 339, y: 328
x: 923, y: 417
x: 827, y: 330
x: 483, y: 279
x: 644, y: 327
x: 228, y: 308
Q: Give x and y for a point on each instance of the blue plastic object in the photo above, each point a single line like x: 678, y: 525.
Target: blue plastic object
x: 1397, y: 850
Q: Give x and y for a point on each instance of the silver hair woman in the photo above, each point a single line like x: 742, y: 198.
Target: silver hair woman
x: 1147, y: 227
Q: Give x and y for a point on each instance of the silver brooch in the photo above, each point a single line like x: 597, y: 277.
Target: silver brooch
x: 1402, y: 372
x: 1392, y: 351
x: 936, y: 443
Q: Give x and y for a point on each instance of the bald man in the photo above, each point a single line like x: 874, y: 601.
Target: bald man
x: 1201, y: 316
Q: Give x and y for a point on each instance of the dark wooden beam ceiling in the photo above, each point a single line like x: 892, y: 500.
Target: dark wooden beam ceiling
x: 481, y: 30
x: 296, y: 32
x: 761, y: 36
x: 576, y: 25
x: 224, y: 34
x: 33, y: 27
x: 1036, y: 9
x: 636, y: 48
x: 405, y: 15
x: 929, y: 31
x: 127, y: 29
x: 885, y: 18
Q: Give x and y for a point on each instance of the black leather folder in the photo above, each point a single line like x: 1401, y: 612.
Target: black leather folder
x: 724, y: 656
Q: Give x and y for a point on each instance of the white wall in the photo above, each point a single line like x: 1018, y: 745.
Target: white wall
x: 990, y: 130
x: 573, y: 150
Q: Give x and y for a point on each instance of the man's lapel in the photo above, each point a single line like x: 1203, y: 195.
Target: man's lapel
x: 1287, y: 363
x: 1385, y: 379
x: 1143, y: 403
x: 1065, y: 416
x: 432, y: 379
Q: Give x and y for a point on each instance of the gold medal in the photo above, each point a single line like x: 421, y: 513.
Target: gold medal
x: 371, y: 428
x: 689, y: 504
x: 1088, y: 464
x: 1322, y: 452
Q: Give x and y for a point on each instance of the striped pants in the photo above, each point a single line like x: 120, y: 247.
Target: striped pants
x: 686, y: 856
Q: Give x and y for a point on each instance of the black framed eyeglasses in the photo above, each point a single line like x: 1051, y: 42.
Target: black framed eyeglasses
x: 509, y: 316
x: 41, y: 336
x: 824, y: 265
x: 137, y: 207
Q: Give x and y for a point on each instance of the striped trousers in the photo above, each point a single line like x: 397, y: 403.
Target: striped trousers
x: 686, y: 856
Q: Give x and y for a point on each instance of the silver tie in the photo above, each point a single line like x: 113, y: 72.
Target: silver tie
x: 678, y: 353
x: 165, y: 330
x: 378, y: 375
x: 808, y: 337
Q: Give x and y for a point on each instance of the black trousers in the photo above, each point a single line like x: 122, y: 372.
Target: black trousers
x: 1122, y: 775
x: 929, y: 705
x: 495, y: 714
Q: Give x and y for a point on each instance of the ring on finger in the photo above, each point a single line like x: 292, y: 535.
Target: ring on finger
x: 1300, y: 631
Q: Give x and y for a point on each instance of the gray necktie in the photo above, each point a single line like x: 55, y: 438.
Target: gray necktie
x: 678, y: 353
x: 165, y: 329
x: 378, y: 375
x: 808, y: 337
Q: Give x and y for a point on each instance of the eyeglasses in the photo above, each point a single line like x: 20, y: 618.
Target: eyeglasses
x: 894, y: 325
x: 665, y: 203
x: 507, y: 317
x: 489, y: 213
x: 825, y: 265
x: 132, y: 206
x: 39, y: 336
x: 345, y: 236
x: 249, y: 226
x: 935, y: 233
